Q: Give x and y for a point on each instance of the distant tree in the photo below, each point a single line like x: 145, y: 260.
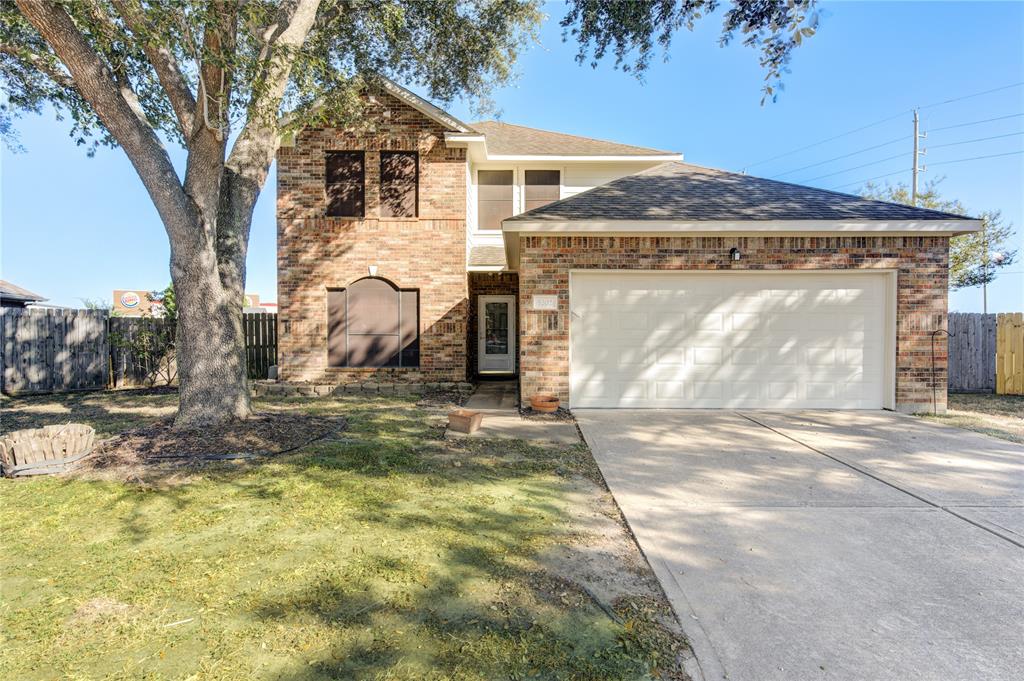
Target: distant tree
x: 165, y: 299
x: 974, y: 259
x: 226, y: 80
x: 96, y: 304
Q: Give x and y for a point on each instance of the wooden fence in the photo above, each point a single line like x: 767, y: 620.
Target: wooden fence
x: 53, y: 350
x: 986, y: 353
x: 260, y: 343
x: 141, y: 354
x: 1010, y: 354
x: 46, y: 351
x: 972, y: 352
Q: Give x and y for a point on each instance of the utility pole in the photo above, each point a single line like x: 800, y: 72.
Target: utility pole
x: 917, y: 152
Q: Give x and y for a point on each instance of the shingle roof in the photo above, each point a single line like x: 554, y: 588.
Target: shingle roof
x: 517, y: 140
x: 13, y: 292
x: 487, y: 256
x: 685, y: 192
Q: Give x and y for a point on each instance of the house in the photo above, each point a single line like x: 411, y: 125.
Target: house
x: 15, y: 296
x: 419, y: 248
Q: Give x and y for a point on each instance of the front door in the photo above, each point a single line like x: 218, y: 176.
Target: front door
x: 496, y: 334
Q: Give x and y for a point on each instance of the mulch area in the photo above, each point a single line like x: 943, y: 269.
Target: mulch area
x: 264, y: 434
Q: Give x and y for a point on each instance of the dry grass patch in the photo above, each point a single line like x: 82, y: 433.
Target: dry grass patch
x: 1000, y: 416
x: 384, y: 552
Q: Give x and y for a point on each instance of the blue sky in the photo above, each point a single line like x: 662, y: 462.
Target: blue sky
x: 75, y: 227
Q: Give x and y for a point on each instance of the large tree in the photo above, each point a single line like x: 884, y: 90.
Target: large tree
x: 226, y: 79
x: 974, y: 259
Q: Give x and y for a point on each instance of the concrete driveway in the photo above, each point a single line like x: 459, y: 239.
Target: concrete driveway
x: 826, y: 545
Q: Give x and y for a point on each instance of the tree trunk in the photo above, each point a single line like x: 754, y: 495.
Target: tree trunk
x: 212, y: 382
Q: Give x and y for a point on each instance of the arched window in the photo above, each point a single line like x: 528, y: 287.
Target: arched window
x: 373, y: 323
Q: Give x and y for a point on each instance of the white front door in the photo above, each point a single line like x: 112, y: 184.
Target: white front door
x: 496, y: 334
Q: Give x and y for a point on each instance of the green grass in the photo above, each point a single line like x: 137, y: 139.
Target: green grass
x: 1000, y: 416
x: 389, y: 555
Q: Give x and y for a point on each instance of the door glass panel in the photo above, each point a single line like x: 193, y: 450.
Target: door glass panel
x: 496, y: 328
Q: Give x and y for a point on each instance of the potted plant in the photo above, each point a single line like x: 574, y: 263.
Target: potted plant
x: 544, y: 404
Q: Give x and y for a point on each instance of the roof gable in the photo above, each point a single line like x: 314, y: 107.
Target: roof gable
x: 506, y: 139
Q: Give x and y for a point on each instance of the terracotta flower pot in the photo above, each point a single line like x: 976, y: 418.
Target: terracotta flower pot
x: 545, y: 404
x: 465, y: 420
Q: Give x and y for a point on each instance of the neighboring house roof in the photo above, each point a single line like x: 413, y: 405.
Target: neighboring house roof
x: 9, y: 291
x: 682, y: 192
x: 487, y: 256
x: 506, y: 139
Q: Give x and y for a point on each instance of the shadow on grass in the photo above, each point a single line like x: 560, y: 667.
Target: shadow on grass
x: 385, y: 552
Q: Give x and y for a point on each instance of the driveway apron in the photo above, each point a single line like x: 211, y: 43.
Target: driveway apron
x: 826, y: 545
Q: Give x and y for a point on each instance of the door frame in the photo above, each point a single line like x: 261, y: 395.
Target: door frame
x: 890, y: 275
x: 481, y: 325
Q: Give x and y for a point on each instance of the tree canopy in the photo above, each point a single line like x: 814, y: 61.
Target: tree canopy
x: 975, y: 258
x: 225, y: 80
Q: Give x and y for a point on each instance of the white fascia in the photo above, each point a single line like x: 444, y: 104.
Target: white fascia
x: 662, y: 158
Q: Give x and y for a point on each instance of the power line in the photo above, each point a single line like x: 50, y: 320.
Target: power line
x: 854, y: 153
x: 976, y: 94
x: 986, y: 120
x: 815, y: 144
x: 941, y: 163
x: 977, y: 158
x: 879, y: 122
x: 976, y: 139
x: 870, y: 179
x: 845, y: 170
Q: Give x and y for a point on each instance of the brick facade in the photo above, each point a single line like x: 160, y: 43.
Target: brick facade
x: 921, y: 262
x: 487, y: 284
x: 427, y: 253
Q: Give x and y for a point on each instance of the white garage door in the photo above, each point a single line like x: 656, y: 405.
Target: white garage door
x: 778, y: 340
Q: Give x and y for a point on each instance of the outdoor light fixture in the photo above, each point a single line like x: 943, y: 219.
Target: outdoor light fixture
x: 373, y: 270
x: 734, y: 254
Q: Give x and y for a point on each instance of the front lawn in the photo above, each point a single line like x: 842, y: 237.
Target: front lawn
x: 386, y: 553
x: 1001, y: 416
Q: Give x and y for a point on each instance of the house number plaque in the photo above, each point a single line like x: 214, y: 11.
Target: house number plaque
x: 545, y: 302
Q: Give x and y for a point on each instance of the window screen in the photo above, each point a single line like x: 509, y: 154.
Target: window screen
x: 373, y: 324
x: 399, y: 184
x: 542, y: 187
x: 494, y: 196
x: 345, y: 181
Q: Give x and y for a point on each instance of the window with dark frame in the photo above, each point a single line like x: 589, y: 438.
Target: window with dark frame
x: 494, y: 198
x: 372, y: 323
x: 399, y: 184
x: 541, y: 188
x: 345, y: 184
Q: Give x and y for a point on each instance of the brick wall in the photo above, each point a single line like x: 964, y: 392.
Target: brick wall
x: 317, y: 252
x: 922, y: 264
x: 487, y: 284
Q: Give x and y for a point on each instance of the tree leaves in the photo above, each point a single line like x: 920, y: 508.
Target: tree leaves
x: 975, y: 258
x: 631, y: 29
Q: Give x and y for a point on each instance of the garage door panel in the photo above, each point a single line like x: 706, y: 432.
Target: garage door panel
x: 706, y: 340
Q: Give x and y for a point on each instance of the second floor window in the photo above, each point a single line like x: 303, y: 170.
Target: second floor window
x: 540, y: 188
x: 399, y: 184
x: 494, y: 198
x: 345, y: 182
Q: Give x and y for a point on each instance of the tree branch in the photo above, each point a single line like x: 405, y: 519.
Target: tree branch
x: 40, y: 64
x: 249, y: 162
x: 120, y: 116
x: 168, y: 71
